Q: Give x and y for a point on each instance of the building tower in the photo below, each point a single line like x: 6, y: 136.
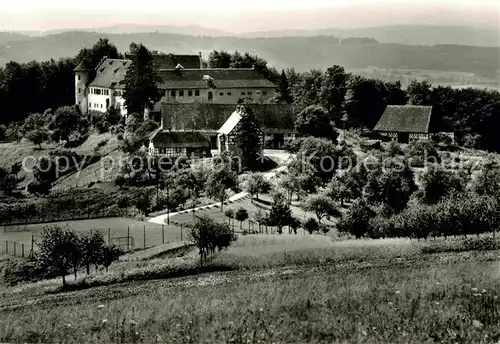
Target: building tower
x: 82, y: 78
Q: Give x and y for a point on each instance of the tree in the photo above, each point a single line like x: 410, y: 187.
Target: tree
x: 333, y: 91
x: 419, y: 92
x: 92, y: 248
x: 280, y: 214
x: 260, y: 218
x: 241, y: 215
x: 143, y: 202
x: 109, y: 254
x: 208, y: 235
x: 14, y: 133
x: 257, y: 185
x: 487, y: 181
x: 58, y: 250
x: 220, y: 179
x: 284, y: 94
x: 141, y: 81
x: 66, y: 121
x: 311, y: 225
x: 357, y: 219
x: 314, y: 121
x: 93, y: 56
x: 230, y: 215
x: 322, y: 206
x: 438, y: 183
x: 248, y: 139
x: 37, y: 136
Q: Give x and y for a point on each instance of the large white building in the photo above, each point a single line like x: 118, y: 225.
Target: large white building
x: 183, y: 80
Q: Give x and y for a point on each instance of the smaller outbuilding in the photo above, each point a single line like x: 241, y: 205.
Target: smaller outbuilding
x: 226, y: 134
x: 174, y: 144
x: 406, y: 123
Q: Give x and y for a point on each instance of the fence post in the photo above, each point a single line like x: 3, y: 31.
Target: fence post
x: 144, y: 236
x: 88, y: 210
x: 32, y: 242
x: 22, y: 249
x: 14, y: 248
x: 163, y: 234
x: 6, y: 246
x: 109, y: 236
x: 128, y: 238
x: 181, y: 232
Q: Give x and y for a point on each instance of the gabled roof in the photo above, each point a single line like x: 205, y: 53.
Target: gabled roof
x: 213, y: 78
x: 110, y: 73
x: 170, y: 61
x: 405, y: 118
x: 231, y: 122
x: 82, y: 67
x: 180, y: 139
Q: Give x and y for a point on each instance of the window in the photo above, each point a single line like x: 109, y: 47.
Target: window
x: 172, y: 93
x: 197, y: 93
x: 190, y: 93
x: 228, y: 93
x: 249, y: 93
x: 257, y: 92
x: 79, y: 90
x: 181, y: 93
x: 221, y: 93
x: 264, y: 93
x: 242, y: 93
x: 79, y: 76
x: 101, y: 106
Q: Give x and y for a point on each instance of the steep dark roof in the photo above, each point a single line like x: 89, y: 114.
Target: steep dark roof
x: 213, y: 78
x: 209, y: 116
x: 405, y: 118
x: 110, y: 73
x: 82, y: 67
x: 170, y: 61
x: 180, y: 139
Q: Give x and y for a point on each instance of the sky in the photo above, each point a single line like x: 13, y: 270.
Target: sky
x: 242, y: 16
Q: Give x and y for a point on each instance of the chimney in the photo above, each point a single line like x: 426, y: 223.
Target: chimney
x: 201, y: 60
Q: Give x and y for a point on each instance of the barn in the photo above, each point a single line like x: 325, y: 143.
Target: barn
x: 405, y: 123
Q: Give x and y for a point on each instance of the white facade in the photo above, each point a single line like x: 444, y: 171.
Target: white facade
x: 217, y: 96
x: 101, y: 99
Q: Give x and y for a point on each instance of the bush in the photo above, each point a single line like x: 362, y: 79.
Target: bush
x: 16, y: 270
x: 311, y: 225
x: 357, y: 220
x: 423, y: 151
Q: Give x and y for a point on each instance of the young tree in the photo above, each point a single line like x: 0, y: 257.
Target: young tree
x: 219, y: 180
x: 92, y: 247
x: 66, y: 121
x: 241, y: 215
x: 57, y: 250
x: 260, y: 218
x: 141, y: 81
x: 38, y: 136
x: 143, y: 202
x: 322, y: 206
x: 487, y: 181
x: 109, y: 254
x: 257, y: 185
x: 280, y: 213
x: 230, y: 215
x: 14, y: 133
x: 314, y: 121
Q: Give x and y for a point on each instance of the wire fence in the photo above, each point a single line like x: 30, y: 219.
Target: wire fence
x: 24, y: 243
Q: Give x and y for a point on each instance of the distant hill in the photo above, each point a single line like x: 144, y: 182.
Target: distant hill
x: 6, y: 37
x: 302, y: 53
x: 403, y: 34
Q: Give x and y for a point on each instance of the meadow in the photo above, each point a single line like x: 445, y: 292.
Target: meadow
x: 366, y: 291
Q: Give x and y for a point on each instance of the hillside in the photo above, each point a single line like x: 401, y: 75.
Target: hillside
x: 282, y: 52
x: 402, y: 34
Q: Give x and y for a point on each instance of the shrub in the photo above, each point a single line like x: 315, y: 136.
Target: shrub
x: 16, y: 270
x: 423, y: 151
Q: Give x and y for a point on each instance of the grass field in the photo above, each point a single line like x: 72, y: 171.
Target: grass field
x: 380, y: 291
x: 118, y: 227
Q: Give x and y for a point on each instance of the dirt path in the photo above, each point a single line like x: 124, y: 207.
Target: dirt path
x: 161, y: 219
